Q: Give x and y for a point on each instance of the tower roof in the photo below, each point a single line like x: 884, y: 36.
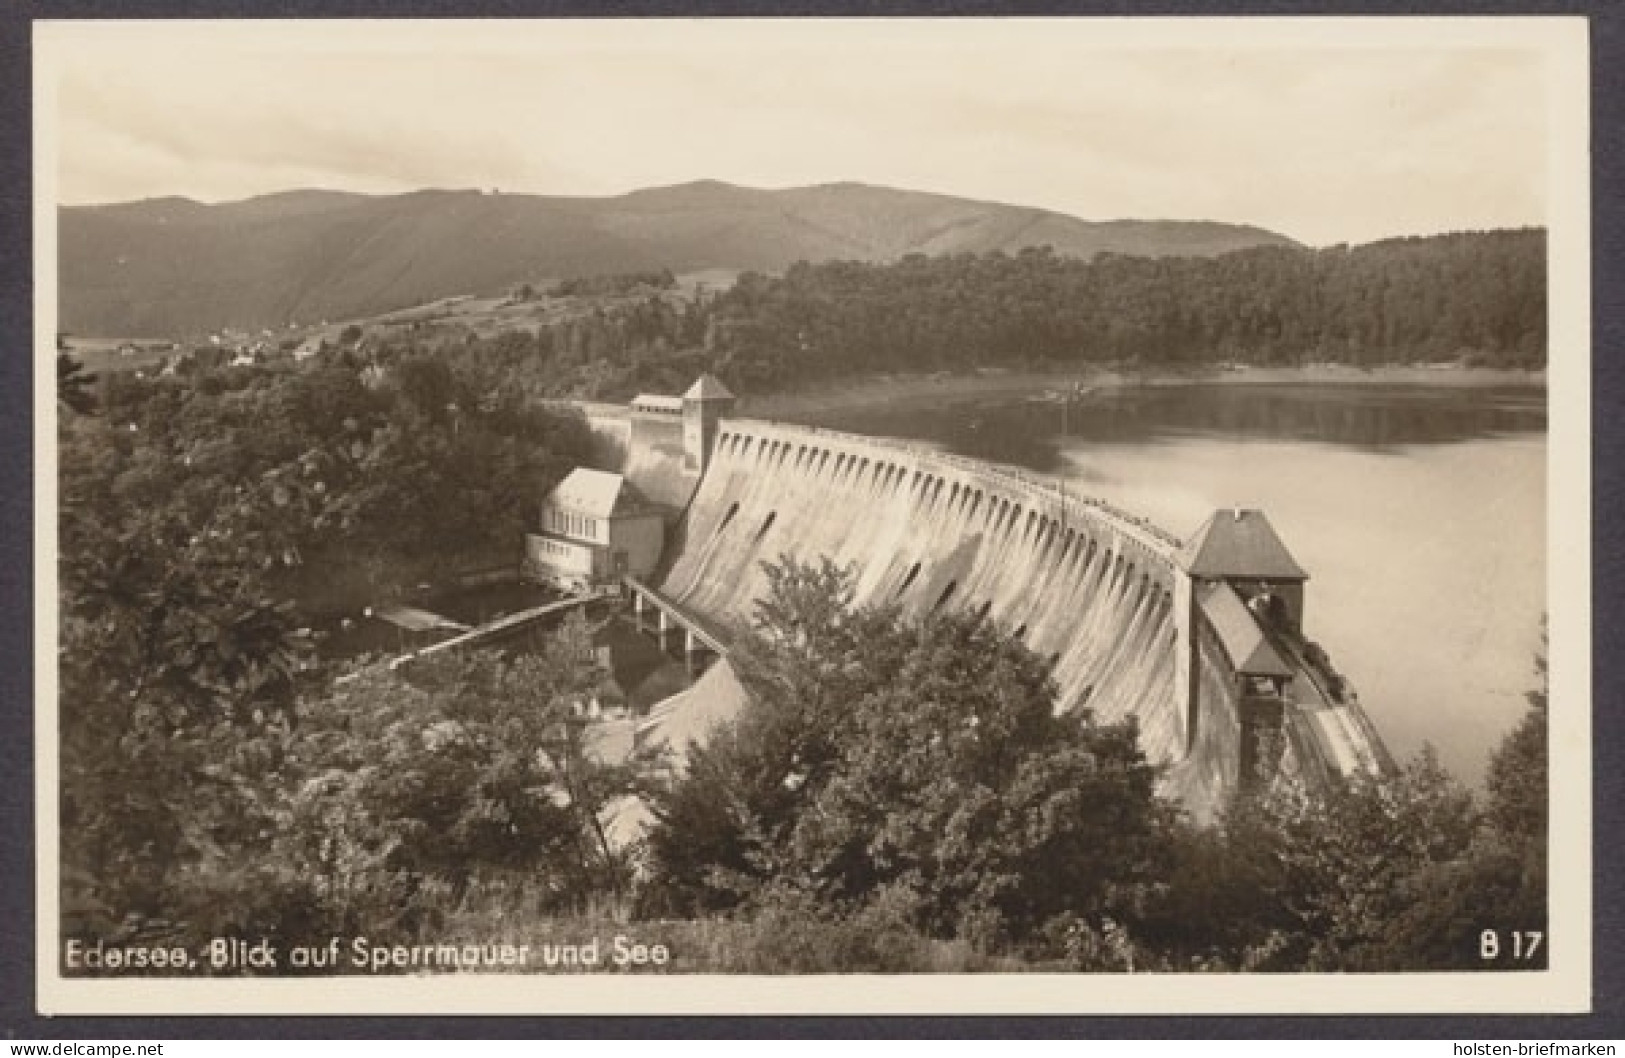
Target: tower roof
x: 1239, y: 543
x: 706, y: 387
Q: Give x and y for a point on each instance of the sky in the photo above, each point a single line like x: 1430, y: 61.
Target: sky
x: 1328, y: 133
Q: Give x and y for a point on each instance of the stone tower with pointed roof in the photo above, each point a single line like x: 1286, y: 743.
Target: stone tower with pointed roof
x: 704, y: 405
x: 1235, y: 577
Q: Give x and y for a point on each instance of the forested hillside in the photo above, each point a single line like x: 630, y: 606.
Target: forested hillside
x: 1473, y: 297
x: 1412, y: 299
x: 173, y: 267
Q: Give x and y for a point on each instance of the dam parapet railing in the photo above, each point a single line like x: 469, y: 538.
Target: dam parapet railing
x: 1049, y: 491
x: 589, y: 408
x: 1046, y: 491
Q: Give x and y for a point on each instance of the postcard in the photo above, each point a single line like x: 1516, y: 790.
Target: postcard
x: 913, y: 515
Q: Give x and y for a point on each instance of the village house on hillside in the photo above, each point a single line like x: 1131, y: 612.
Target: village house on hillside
x: 595, y: 527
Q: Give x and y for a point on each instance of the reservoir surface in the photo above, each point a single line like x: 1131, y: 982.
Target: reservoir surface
x: 1419, y: 512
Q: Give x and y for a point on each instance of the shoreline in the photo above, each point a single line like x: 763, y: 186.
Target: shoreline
x: 912, y: 388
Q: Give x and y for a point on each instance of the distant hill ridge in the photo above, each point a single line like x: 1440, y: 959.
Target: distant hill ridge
x: 173, y: 266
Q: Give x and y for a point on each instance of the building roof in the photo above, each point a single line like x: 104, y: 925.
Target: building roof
x: 1239, y: 543
x: 1246, y: 644
x: 707, y: 387
x: 597, y: 494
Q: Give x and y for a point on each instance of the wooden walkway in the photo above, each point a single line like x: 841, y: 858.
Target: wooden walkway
x: 509, y: 625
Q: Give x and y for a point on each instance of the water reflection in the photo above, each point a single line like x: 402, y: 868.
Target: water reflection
x: 643, y: 672
x: 1031, y: 430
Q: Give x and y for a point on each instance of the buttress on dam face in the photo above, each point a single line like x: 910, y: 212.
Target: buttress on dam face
x: 1200, y: 641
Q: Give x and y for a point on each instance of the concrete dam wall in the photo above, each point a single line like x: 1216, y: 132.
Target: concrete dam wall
x: 1200, y: 641
x: 647, y: 449
x: 1094, y: 589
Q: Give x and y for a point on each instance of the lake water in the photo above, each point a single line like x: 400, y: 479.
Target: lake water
x: 1419, y: 513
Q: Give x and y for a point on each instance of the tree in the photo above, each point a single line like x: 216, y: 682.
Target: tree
x: 920, y: 766
x: 204, y: 525
x: 1500, y: 885
x: 808, y: 658
x: 1345, y: 863
x: 1398, y: 872
x: 73, y: 385
x: 408, y: 789
x: 959, y: 784
x: 1518, y: 774
x: 172, y: 653
x: 1297, y: 879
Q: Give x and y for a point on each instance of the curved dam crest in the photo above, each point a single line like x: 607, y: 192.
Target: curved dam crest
x: 1222, y: 696
x: 1086, y: 586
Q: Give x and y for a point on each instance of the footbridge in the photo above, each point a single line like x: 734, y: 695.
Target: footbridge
x: 699, y: 636
x: 511, y: 625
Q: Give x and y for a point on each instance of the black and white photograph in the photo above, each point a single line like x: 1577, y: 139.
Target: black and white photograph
x: 728, y: 515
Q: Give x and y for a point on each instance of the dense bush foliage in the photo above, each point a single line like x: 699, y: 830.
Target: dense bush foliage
x: 395, y: 796
x: 919, y: 766
x: 334, y: 484
x: 375, y: 807
x: 202, y: 522
x: 618, y: 283
x: 914, y: 778
x: 1324, y: 882
x: 1477, y: 297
